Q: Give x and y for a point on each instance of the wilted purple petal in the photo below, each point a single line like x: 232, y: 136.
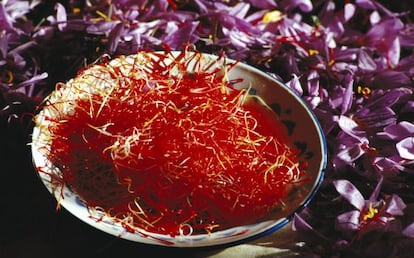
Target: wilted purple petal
x: 405, y: 148
x: 350, y: 193
x: 348, y: 221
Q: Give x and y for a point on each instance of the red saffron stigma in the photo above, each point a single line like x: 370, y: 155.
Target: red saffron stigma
x: 169, y: 150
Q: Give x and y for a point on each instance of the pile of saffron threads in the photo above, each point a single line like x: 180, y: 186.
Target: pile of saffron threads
x: 165, y: 143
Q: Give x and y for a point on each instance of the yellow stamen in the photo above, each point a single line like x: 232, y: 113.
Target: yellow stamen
x: 273, y: 16
x: 371, y: 213
x: 313, y: 52
x: 363, y: 90
x: 104, y: 16
x: 76, y: 10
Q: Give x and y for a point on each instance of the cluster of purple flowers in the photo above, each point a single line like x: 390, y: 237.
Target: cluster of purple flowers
x: 351, y: 61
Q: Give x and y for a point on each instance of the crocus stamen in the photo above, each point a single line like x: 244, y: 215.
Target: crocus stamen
x: 370, y: 213
x: 273, y: 16
x: 313, y: 52
x: 364, y: 90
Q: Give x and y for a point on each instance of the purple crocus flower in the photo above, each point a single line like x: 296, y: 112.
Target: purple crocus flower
x: 368, y: 214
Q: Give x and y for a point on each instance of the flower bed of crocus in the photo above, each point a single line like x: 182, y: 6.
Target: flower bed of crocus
x: 351, y: 61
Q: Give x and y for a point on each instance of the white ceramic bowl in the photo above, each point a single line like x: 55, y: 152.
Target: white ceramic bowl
x: 304, y: 131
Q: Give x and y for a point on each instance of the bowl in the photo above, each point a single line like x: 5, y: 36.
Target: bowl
x: 303, y: 130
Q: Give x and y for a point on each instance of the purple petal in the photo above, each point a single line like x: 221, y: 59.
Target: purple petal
x: 382, y: 35
x: 335, y: 97
x: 331, y: 21
x: 389, y: 164
x: 312, y: 83
x: 263, y: 4
x: 408, y: 107
x: 348, y: 221
x: 374, y: 195
x: 398, y: 131
x: 406, y: 63
x: 367, y: 4
x: 114, y: 37
x: 406, y: 36
x: 395, y: 206
x: 181, y: 36
x: 374, y: 18
x: 101, y: 27
x: 389, y: 98
x: 350, y: 193
x: 405, y: 148
x: 239, y: 10
x: 346, y: 55
x: 409, y: 230
x: 348, y: 95
x: 306, y: 231
x: 394, y: 51
x: 299, y: 224
x: 304, y: 5
x: 350, y: 127
x: 365, y: 62
x: 5, y: 21
x: 31, y: 81
x: 295, y: 84
x: 349, y: 11
x: 61, y: 17
x: 391, y: 79
x: 349, y: 154
x: 376, y: 119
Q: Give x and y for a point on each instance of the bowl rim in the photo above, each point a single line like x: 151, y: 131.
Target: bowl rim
x: 277, y: 223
